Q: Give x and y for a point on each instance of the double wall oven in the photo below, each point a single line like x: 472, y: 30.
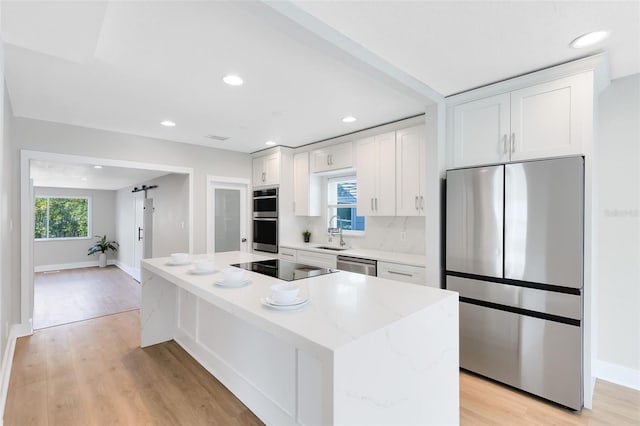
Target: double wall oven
x: 265, y: 220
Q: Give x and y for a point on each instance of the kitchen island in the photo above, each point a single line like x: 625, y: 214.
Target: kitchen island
x: 363, y: 351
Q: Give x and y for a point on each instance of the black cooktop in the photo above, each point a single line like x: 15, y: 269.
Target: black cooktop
x: 284, y: 270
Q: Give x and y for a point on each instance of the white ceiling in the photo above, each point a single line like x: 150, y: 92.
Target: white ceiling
x: 85, y: 176
x: 126, y: 66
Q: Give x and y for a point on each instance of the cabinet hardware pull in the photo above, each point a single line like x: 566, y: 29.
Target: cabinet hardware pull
x: 400, y: 273
x: 422, y: 202
x: 513, y: 142
x: 139, y: 236
x: 264, y: 176
x: 328, y: 163
x: 372, y: 204
x: 504, y: 143
x: 416, y: 203
x: 376, y: 203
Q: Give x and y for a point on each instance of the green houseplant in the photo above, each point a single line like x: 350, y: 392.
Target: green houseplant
x: 102, y: 246
x: 306, y: 235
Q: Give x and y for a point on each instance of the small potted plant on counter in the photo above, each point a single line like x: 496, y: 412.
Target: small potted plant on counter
x: 101, y: 246
x: 306, y: 235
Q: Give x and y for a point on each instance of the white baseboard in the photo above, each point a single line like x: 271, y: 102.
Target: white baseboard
x: 75, y: 265
x: 128, y: 269
x: 617, y: 374
x: 7, y: 363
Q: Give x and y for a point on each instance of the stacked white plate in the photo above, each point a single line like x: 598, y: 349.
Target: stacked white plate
x: 297, y: 303
x: 232, y: 284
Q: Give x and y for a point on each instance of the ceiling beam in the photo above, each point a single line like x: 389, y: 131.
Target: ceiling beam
x: 347, y: 49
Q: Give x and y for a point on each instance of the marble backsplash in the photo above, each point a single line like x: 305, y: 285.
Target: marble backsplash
x: 401, y: 234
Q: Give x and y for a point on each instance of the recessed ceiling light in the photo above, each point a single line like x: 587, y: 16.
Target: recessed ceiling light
x: 168, y: 123
x: 270, y: 143
x: 589, y: 39
x: 232, y: 80
x: 349, y: 119
x: 97, y: 167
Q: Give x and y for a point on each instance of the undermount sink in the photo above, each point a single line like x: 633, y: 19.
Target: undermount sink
x: 331, y: 248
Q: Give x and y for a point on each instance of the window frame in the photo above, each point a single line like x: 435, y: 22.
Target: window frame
x: 329, y: 206
x: 49, y: 197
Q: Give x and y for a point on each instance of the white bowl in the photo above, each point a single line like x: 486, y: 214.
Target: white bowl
x: 179, y: 257
x: 284, y: 293
x: 203, y: 265
x: 232, y: 274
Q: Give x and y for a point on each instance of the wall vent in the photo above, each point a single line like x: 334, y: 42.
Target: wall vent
x: 217, y: 138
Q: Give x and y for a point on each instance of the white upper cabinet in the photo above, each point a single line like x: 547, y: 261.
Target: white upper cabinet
x: 480, y: 131
x: 545, y: 120
x: 411, y: 164
x: 266, y: 170
x: 306, y: 187
x: 333, y: 157
x: 376, y: 171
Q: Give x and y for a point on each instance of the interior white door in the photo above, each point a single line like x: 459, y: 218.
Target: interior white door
x: 138, y: 235
x: 142, y: 233
x: 227, y: 217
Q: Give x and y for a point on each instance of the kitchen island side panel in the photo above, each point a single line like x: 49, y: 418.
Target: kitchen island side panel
x: 158, y: 309
x: 404, y: 374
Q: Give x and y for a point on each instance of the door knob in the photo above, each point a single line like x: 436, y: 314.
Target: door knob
x: 244, y: 240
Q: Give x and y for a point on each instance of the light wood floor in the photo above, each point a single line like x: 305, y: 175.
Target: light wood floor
x: 79, y: 294
x: 93, y: 373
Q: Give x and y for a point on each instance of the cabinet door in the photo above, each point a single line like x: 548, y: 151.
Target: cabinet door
x: 320, y: 260
x: 367, y: 156
x: 410, y: 171
x: 547, y: 120
x: 272, y: 169
x: 306, y: 187
x: 319, y: 160
x: 481, y: 131
x: 259, y: 177
x: 341, y: 156
x: 385, y: 175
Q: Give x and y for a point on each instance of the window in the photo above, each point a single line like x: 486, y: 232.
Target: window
x: 342, y: 200
x: 61, y: 218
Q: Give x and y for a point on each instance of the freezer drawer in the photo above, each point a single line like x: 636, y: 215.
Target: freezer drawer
x: 531, y: 299
x: 474, y: 229
x: 538, y: 356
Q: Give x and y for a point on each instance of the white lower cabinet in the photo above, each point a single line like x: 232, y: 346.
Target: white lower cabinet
x: 400, y: 272
x: 313, y: 258
x: 287, y: 254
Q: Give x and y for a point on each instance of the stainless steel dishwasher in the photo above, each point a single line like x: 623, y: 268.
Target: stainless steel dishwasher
x: 358, y: 265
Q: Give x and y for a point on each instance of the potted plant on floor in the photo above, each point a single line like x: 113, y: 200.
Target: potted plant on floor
x: 101, y: 246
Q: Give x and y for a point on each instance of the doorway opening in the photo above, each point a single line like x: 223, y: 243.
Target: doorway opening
x: 59, y: 279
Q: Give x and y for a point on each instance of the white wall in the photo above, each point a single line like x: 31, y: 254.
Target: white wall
x: 45, y: 136
x: 102, y: 221
x: 618, y: 221
x: 170, y: 217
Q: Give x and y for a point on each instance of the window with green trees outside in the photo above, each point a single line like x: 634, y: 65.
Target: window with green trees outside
x: 61, y: 218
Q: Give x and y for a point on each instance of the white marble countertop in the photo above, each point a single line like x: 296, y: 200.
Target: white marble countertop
x: 343, y: 306
x: 380, y: 256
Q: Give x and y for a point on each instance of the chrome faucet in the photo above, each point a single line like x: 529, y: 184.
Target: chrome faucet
x: 332, y: 231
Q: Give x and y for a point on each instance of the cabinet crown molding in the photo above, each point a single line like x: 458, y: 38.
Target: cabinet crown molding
x: 598, y: 64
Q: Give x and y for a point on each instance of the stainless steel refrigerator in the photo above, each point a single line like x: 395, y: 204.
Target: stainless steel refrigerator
x: 514, y: 252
